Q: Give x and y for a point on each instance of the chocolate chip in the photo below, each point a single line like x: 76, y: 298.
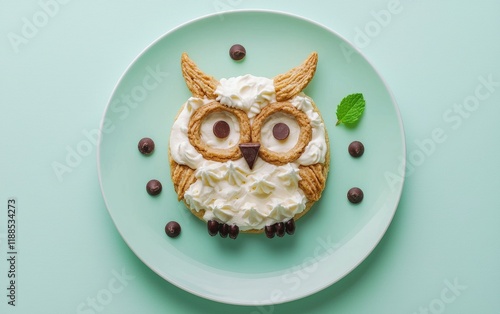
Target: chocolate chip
x: 213, y: 227
x: 356, y: 149
x: 281, y: 131
x: 173, y: 229
x: 237, y: 52
x: 224, y: 230
x: 270, y: 231
x: 146, y: 146
x: 234, y: 230
x: 290, y: 226
x: 280, y: 229
x: 153, y: 187
x: 355, y: 195
x: 249, y: 152
x: 221, y: 129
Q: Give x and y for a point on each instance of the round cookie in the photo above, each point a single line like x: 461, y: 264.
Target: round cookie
x: 249, y: 151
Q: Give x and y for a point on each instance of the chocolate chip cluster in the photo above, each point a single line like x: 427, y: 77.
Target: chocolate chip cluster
x: 222, y: 229
x: 280, y: 228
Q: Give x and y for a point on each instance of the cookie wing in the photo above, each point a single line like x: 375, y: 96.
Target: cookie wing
x: 313, y: 179
x: 182, y: 177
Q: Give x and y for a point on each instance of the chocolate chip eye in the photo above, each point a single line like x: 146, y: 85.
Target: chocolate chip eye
x: 221, y: 129
x: 281, y: 131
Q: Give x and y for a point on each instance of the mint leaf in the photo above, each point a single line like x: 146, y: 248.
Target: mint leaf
x: 350, y: 109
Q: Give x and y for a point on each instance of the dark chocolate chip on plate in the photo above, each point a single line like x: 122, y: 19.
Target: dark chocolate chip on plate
x: 290, y: 226
x: 356, y: 149
x: 280, y: 229
x: 234, y: 230
x: 213, y: 227
x: 237, y: 52
x: 270, y: 231
x: 223, y: 230
x: 153, y: 187
x: 146, y: 146
x: 172, y: 229
x: 355, y: 195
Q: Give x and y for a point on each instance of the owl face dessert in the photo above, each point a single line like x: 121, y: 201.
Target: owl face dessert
x: 249, y: 153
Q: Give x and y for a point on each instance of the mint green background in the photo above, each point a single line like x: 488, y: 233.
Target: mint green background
x: 55, y: 88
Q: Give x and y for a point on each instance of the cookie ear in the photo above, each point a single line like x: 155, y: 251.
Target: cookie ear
x: 200, y: 84
x: 289, y: 84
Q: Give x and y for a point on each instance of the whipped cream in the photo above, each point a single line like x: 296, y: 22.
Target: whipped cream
x: 181, y: 149
x: 315, y: 151
x: 231, y: 192
x: 248, y: 93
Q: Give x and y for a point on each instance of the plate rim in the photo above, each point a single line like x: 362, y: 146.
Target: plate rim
x: 293, y: 16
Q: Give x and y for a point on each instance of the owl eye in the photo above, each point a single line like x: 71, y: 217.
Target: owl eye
x: 279, y: 132
x: 220, y: 130
x: 216, y: 130
x: 283, y: 132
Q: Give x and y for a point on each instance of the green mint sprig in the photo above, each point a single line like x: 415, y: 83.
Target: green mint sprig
x: 350, y: 109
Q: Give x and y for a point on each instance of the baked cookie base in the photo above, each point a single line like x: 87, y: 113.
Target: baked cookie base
x: 190, y: 173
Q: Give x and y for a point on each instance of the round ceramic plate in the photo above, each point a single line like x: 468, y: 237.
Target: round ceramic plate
x: 330, y: 241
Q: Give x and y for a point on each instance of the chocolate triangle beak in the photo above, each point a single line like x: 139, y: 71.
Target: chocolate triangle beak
x: 250, y: 152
